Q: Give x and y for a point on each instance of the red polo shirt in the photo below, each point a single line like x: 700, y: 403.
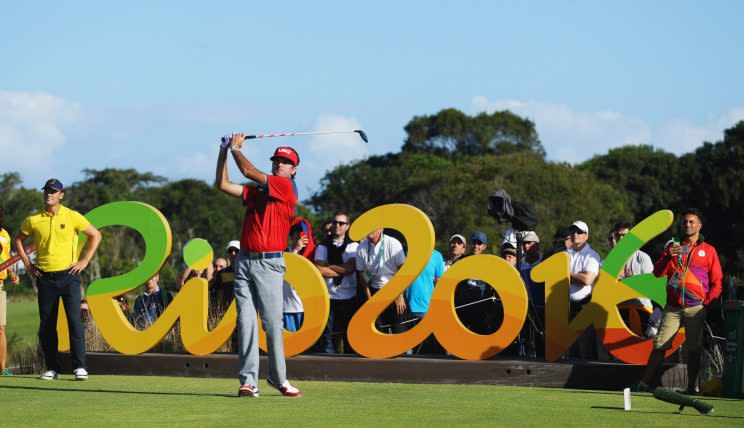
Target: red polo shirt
x: 700, y: 271
x: 269, y: 211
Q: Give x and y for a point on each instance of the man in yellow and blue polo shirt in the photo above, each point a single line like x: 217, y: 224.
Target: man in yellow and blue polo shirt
x: 55, y: 230
x: 4, y: 274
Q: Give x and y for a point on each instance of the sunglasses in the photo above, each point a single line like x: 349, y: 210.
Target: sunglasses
x: 232, y: 250
x: 339, y: 223
x: 617, y: 236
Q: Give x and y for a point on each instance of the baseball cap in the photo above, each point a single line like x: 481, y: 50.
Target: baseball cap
x: 460, y: 237
x: 531, y: 236
x: 562, y: 233
x: 233, y: 244
x: 580, y: 225
x: 287, y: 153
x: 479, y: 236
x: 53, y: 183
x: 508, y: 249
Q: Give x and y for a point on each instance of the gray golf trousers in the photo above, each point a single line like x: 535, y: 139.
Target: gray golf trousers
x: 258, y: 287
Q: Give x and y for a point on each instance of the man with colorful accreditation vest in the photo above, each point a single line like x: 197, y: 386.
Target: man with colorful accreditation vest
x: 694, y: 280
x: 259, y: 267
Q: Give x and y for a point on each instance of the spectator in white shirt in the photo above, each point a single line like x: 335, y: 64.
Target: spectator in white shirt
x: 584, y: 268
x: 378, y: 259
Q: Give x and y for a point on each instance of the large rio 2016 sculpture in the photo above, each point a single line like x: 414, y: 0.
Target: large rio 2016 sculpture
x: 191, y: 303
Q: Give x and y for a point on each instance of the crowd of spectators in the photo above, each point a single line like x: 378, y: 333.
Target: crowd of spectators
x: 355, y: 271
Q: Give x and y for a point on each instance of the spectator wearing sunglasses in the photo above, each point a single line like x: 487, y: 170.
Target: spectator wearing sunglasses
x: 584, y: 268
x: 336, y: 260
x: 638, y: 263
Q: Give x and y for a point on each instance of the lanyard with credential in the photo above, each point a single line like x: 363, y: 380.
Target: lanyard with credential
x: 685, y: 265
x: 367, y: 274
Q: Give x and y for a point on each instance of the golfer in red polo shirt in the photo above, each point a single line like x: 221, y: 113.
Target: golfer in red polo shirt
x: 259, y: 267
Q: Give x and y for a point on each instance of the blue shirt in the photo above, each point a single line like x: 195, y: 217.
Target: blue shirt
x: 419, y: 292
x: 148, y: 307
x: 535, y: 290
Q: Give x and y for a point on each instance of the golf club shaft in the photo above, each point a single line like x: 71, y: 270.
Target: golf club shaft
x: 293, y: 134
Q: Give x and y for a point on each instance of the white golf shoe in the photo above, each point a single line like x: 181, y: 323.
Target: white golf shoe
x: 49, y: 375
x: 81, y: 374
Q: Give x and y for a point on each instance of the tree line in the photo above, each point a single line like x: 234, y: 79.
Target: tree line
x: 448, y: 165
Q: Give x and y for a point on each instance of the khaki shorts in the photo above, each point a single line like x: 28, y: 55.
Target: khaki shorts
x: 693, y: 320
x: 3, y: 307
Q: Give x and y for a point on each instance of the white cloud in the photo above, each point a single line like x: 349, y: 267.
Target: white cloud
x: 32, y: 128
x: 334, y: 149
x: 197, y: 165
x: 325, y: 152
x: 574, y: 136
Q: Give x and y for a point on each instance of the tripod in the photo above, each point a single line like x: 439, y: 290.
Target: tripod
x: 527, y: 346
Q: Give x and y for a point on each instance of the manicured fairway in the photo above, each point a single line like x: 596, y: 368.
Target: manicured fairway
x: 165, y: 401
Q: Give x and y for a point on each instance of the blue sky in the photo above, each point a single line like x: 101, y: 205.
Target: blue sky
x: 152, y: 85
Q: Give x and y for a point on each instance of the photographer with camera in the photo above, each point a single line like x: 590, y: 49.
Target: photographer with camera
x: 519, y: 240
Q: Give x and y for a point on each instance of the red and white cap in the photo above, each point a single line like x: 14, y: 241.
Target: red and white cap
x: 287, y: 153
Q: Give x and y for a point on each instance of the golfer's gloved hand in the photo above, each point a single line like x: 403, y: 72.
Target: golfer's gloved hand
x: 225, y: 141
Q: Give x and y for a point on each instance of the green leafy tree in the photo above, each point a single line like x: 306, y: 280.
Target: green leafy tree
x: 195, y: 209
x: 18, y: 201
x: 645, y: 175
x: 451, y: 132
x: 715, y: 184
x: 109, y: 185
x: 454, y: 192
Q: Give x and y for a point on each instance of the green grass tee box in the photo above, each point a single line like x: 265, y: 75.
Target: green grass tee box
x: 168, y: 401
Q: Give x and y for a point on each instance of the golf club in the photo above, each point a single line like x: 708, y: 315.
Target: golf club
x: 14, y: 259
x: 293, y: 134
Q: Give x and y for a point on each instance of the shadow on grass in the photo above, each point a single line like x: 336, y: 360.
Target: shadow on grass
x: 668, y: 413
x: 647, y: 394
x: 571, y: 391
x: 111, y: 391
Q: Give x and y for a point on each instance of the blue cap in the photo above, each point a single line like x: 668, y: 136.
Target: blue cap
x: 479, y: 236
x: 53, y: 183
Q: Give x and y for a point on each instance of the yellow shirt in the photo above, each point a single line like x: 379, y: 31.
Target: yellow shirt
x: 56, y: 237
x: 4, y: 251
